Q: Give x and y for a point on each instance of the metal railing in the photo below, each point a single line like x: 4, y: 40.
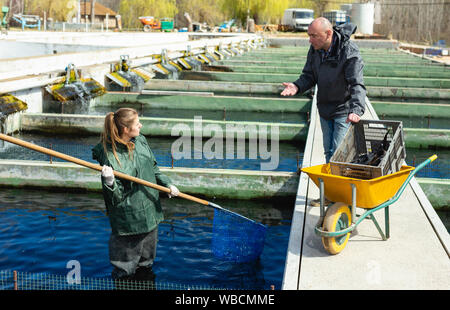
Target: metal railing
x: 81, y: 27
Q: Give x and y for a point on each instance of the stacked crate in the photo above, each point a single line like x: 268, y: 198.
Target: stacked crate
x: 335, y: 17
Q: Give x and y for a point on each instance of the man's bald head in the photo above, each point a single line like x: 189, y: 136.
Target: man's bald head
x: 320, y: 33
x: 321, y: 24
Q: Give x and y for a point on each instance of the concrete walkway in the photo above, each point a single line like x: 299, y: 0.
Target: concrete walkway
x: 416, y: 256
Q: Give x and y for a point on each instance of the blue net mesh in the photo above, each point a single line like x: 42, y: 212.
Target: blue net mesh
x: 236, y: 238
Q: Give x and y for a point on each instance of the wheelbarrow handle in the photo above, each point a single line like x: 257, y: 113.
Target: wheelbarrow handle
x: 423, y: 164
x: 432, y: 158
x: 402, y: 188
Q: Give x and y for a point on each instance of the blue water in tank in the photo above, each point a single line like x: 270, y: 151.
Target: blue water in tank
x: 40, y: 232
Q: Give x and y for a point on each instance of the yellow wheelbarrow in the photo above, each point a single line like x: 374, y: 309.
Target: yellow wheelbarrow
x: 338, y: 220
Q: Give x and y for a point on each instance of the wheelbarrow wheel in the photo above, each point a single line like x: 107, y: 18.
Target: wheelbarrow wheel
x: 338, y: 217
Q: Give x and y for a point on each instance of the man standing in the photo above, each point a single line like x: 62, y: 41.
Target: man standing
x: 335, y: 65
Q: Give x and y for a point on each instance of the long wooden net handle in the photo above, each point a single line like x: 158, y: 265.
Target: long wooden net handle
x: 96, y: 167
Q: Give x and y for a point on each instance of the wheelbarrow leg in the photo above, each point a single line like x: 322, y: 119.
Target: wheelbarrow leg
x: 372, y: 217
x: 322, y: 198
x: 353, y: 203
x: 322, y: 202
x: 386, y: 221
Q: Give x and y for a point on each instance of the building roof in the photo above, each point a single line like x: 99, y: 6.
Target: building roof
x: 85, y: 9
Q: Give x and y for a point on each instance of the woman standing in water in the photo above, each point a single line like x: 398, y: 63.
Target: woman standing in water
x: 134, y: 210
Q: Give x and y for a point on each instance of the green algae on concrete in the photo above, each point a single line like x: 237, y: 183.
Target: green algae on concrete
x: 239, y: 184
x: 168, y: 127
x: 216, y: 86
x: 367, y: 58
x: 407, y: 93
x: 426, y: 138
x: 152, y: 126
x: 211, y: 183
x: 251, y: 88
x: 30, y: 173
x: 437, y: 191
x: 422, y: 73
x: 280, y: 78
x: 388, y: 71
x: 299, y: 65
x: 411, y: 109
x: 209, y: 103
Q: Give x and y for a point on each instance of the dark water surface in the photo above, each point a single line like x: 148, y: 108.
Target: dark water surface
x: 40, y: 232
x: 288, y: 156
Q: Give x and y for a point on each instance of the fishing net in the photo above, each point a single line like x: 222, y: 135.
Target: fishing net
x: 237, y: 238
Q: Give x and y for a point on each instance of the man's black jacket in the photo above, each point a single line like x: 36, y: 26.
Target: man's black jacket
x: 339, y: 77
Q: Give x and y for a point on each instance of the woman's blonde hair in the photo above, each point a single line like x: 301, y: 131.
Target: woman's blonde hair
x: 115, y: 122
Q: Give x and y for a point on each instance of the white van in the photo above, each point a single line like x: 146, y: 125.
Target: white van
x: 298, y: 19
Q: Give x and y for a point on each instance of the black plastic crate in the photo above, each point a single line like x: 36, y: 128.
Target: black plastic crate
x: 362, y: 138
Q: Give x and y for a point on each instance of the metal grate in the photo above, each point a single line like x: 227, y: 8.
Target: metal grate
x: 16, y: 280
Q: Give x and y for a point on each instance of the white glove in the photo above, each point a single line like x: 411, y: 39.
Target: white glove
x: 108, y: 174
x: 173, y: 191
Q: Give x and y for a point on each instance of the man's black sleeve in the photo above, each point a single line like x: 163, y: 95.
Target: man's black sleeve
x: 307, y: 78
x: 353, y: 72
